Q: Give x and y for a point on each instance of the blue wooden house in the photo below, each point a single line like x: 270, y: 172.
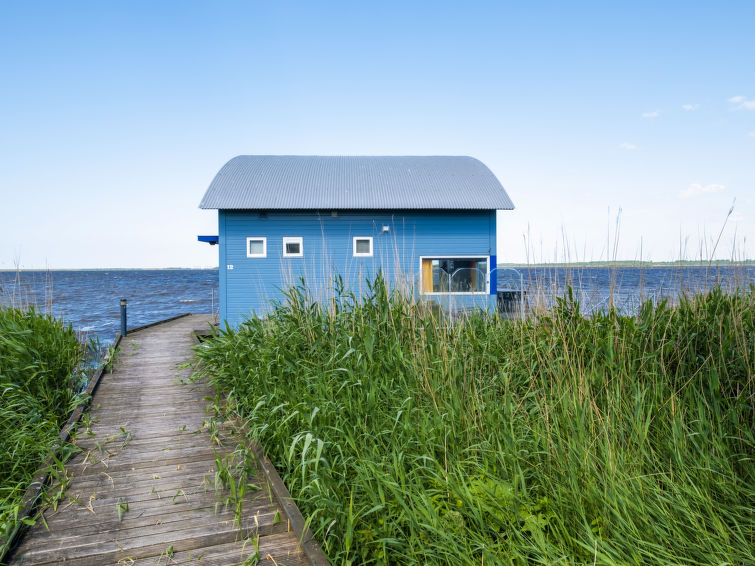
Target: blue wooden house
x: 429, y: 223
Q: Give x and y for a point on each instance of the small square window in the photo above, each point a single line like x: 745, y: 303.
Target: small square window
x: 293, y: 247
x: 363, y: 246
x: 256, y: 247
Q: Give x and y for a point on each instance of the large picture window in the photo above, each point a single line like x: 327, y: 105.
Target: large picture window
x: 460, y: 275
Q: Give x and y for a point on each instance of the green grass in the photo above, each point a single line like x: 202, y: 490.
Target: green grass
x: 562, y: 439
x: 40, y: 359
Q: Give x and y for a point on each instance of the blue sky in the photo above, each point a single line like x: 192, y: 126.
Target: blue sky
x: 115, y: 116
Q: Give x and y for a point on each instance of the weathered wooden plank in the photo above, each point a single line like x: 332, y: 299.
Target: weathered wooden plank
x: 115, y: 490
x: 187, y: 406
x: 167, y: 436
x: 102, y: 462
x: 285, y: 550
x: 195, y: 474
x: 118, y: 409
x: 102, y: 509
x: 149, y: 427
x: 125, y: 454
x: 118, y: 441
x: 120, y: 446
x: 137, y: 521
x: 81, y: 522
x: 104, y: 478
x: 145, y: 540
x: 109, y: 549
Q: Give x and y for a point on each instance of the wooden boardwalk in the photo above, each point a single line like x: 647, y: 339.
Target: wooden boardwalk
x: 143, y: 489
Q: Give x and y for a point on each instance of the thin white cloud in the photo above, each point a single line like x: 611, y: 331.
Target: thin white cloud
x: 653, y: 114
x: 628, y: 146
x: 742, y: 103
x: 690, y: 107
x: 698, y: 189
x: 751, y: 134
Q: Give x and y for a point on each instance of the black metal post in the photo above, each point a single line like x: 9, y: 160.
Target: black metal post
x: 123, y: 317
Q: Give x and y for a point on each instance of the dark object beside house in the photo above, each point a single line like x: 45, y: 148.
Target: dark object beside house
x: 509, y: 303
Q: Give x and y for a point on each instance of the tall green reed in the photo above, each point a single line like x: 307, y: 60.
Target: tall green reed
x: 40, y: 375
x: 609, y: 439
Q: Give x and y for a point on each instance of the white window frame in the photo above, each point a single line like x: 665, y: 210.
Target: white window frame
x: 461, y: 294
x: 293, y: 240
x: 264, y: 246
x: 369, y: 238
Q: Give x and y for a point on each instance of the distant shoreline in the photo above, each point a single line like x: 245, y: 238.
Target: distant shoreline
x: 715, y: 263
x: 580, y: 264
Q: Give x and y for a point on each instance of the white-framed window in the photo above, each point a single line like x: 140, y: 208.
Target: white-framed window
x: 454, y: 275
x: 256, y: 247
x: 362, y: 246
x: 293, y: 246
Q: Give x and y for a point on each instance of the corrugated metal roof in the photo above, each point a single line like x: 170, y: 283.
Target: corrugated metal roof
x: 290, y: 182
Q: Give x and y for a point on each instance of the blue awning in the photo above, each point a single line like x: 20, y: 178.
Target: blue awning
x: 212, y: 240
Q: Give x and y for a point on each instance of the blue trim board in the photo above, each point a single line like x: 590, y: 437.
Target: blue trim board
x: 493, y: 275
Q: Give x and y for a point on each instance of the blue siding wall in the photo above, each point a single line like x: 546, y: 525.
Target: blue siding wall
x: 248, y: 287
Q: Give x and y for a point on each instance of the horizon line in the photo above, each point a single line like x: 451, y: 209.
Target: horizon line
x: 596, y: 263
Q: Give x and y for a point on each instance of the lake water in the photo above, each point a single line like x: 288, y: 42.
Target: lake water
x: 90, y: 299
x: 625, y: 288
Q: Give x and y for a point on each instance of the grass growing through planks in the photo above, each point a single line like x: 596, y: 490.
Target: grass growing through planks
x: 560, y: 439
x: 39, y: 378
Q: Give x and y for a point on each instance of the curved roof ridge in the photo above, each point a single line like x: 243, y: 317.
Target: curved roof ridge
x: 342, y: 182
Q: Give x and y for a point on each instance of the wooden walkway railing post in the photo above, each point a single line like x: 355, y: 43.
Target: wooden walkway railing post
x: 124, y: 329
